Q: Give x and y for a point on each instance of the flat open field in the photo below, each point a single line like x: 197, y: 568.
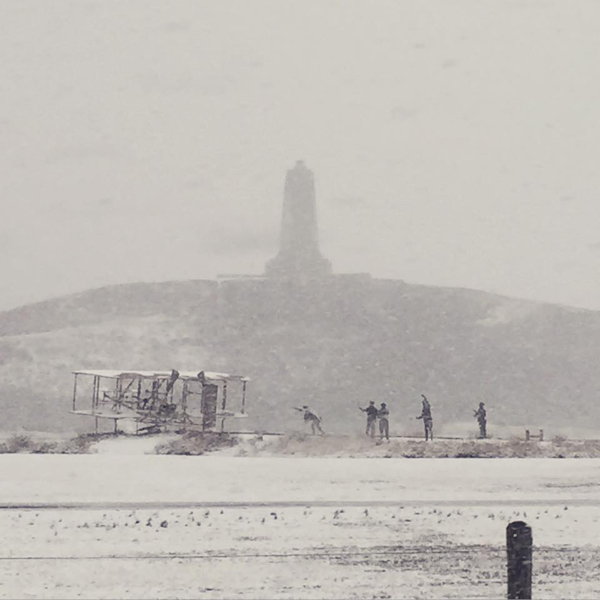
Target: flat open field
x: 128, y: 526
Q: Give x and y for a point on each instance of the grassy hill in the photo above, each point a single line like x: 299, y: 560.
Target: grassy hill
x: 334, y: 346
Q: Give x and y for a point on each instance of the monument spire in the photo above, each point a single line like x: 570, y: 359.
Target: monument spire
x: 299, y: 255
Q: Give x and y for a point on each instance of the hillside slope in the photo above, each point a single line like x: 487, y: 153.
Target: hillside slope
x: 333, y: 346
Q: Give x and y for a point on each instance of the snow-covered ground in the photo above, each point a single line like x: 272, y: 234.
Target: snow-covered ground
x: 292, y: 527
x: 52, y: 478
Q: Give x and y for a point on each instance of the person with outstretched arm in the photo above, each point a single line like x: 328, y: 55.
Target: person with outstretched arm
x: 427, y: 418
x: 371, y: 411
x: 311, y: 417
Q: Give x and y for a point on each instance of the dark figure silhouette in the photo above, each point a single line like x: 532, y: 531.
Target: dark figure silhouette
x: 482, y: 420
x: 312, y: 418
x: 427, y: 418
x: 384, y: 424
x: 371, y: 411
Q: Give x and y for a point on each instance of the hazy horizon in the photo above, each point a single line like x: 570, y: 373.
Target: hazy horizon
x: 453, y: 143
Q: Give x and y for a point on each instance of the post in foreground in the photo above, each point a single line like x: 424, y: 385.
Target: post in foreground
x: 519, y: 560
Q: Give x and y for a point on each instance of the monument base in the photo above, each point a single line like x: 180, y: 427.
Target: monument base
x: 298, y: 267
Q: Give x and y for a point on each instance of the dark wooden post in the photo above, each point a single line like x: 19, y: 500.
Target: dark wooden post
x: 519, y: 560
x: 541, y: 435
x: 75, y: 392
x: 184, y: 395
x: 527, y: 435
x: 95, y: 393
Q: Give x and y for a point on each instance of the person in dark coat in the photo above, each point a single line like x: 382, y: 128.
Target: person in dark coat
x: 371, y: 411
x: 311, y: 417
x: 427, y: 418
x: 384, y: 425
x: 481, y: 416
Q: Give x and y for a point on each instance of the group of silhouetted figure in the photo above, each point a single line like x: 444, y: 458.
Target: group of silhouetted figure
x: 381, y: 416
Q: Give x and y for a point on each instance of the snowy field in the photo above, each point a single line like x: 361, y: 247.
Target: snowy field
x: 143, y: 526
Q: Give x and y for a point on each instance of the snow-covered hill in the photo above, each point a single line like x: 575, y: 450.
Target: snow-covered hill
x: 334, y: 346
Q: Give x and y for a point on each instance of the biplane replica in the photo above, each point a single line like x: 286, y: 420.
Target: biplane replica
x: 160, y: 400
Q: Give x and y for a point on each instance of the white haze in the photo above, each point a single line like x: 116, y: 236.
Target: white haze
x: 454, y: 142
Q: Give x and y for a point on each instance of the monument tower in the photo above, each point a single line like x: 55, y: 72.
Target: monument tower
x: 299, y: 256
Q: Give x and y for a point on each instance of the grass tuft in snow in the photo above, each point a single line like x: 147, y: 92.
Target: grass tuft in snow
x: 195, y: 443
x: 24, y: 444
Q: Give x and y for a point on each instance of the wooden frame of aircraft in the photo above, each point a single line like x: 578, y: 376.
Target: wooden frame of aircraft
x: 157, y: 400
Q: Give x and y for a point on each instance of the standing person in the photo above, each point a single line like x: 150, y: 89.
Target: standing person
x: 481, y: 416
x: 384, y: 425
x: 311, y: 417
x: 427, y: 418
x: 371, y: 411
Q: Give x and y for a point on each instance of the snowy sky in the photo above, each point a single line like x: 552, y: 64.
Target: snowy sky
x: 454, y: 142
